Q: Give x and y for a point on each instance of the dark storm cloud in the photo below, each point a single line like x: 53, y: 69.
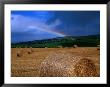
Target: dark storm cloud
x: 35, y: 25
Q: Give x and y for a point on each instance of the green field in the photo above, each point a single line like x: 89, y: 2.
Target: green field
x: 67, y: 41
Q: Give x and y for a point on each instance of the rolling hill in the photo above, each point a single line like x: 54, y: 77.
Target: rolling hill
x: 67, y: 41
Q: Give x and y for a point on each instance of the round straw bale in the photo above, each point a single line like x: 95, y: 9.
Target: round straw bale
x: 59, y: 46
x: 98, y: 45
x: 85, y: 67
x: 29, y: 51
x: 66, y: 65
x: 98, y: 48
x: 75, y: 46
x: 19, y: 54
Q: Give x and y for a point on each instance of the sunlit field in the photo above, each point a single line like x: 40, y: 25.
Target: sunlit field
x: 25, y: 62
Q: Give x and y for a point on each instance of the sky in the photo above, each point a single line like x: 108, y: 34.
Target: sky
x: 38, y: 25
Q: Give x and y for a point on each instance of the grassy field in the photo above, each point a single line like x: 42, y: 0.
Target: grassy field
x: 26, y: 64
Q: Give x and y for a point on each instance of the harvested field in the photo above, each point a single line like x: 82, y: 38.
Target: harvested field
x: 30, y: 61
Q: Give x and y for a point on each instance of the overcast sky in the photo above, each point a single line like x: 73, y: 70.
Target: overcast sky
x: 37, y: 25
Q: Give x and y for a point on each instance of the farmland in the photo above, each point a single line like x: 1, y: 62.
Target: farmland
x: 67, y: 41
x: 27, y: 63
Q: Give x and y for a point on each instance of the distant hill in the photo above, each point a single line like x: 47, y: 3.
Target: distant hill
x: 67, y: 41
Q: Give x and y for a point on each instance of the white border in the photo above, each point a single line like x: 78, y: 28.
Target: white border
x: 56, y: 80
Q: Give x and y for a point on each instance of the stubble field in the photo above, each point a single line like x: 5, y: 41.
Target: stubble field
x: 25, y: 61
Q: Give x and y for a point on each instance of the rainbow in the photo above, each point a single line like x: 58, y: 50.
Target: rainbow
x: 49, y: 31
x: 56, y: 32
